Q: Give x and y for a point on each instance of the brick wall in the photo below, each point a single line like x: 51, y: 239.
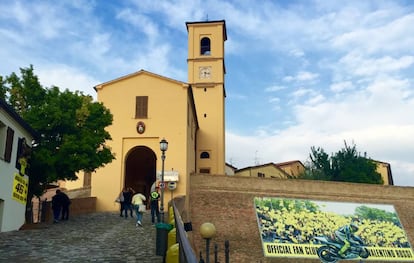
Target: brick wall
x: 227, y: 202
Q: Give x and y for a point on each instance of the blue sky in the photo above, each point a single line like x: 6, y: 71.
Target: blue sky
x: 299, y: 73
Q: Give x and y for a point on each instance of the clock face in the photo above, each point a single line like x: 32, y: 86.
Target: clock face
x: 204, y: 72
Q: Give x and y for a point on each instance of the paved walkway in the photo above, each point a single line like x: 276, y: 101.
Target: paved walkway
x: 97, y: 237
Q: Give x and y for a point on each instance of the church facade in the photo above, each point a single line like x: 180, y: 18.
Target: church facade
x: 148, y: 108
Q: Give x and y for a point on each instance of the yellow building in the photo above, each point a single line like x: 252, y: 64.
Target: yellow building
x: 292, y: 168
x: 147, y: 107
x: 269, y: 170
x: 385, y: 170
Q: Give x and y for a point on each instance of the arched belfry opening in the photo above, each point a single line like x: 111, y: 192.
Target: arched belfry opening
x: 205, y: 48
x: 140, y: 169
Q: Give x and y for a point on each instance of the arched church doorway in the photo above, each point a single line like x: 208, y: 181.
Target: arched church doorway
x: 140, y: 169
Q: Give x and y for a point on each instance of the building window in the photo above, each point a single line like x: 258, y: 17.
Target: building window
x: 204, y: 170
x: 205, y: 46
x: 3, y: 138
x: 261, y: 175
x: 204, y: 155
x: 9, y: 145
x: 141, y: 107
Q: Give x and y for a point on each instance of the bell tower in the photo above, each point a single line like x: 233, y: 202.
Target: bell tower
x: 206, y: 72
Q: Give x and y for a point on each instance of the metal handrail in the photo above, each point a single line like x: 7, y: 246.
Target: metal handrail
x: 186, y: 251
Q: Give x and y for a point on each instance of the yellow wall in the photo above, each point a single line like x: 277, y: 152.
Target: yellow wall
x: 190, y: 116
x: 382, y: 168
x: 269, y: 171
x: 209, y: 92
x: 167, y: 118
x: 294, y: 168
x: 76, y: 184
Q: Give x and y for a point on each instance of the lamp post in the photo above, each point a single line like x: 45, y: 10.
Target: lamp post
x: 163, y: 148
x: 207, y: 231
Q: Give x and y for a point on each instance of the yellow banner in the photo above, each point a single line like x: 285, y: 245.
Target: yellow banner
x: 383, y: 253
x: 310, y: 251
x: 290, y: 250
x: 20, y: 188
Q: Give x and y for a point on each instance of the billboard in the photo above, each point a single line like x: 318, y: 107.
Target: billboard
x: 331, y: 231
x: 20, y: 188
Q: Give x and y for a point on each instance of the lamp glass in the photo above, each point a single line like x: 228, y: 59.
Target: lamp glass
x: 207, y: 230
x: 163, y: 145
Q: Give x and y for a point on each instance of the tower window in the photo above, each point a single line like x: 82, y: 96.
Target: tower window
x: 204, y: 155
x: 205, y: 46
x: 204, y: 170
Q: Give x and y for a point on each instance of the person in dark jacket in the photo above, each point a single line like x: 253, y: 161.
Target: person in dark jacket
x: 65, y: 206
x: 128, y: 192
x: 57, y: 201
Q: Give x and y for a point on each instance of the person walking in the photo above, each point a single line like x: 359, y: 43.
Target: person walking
x: 65, y: 206
x: 120, y: 199
x: 57, y: 202
x: 128, y: 201
x: 155, y: 212
x: 138, y: 202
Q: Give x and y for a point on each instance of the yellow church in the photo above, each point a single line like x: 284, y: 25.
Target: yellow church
x: 148, y: 108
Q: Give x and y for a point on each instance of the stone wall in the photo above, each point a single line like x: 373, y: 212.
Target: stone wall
x: 78, y: 206
x: 227, y: 202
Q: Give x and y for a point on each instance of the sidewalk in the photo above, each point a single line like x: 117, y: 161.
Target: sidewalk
x: 97, y: 237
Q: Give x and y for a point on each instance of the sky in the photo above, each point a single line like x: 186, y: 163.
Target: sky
x: 298, y: 73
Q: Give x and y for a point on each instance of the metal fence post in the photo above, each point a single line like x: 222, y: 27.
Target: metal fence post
x: 227, y: 250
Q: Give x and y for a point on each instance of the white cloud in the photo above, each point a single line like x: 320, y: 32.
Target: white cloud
x: 275, y: 88
x: 297, y: 53
x: 65, y: 77
x: 302, y: 76
x: 17, y: 11
x: 358, y: 65
x: 301, y: 92
x: 392, y: 35
x: 342, y: 86
x: 274, y: 100
x: 140, y: 21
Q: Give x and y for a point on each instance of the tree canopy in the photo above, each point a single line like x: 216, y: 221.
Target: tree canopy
x: 71, y: 128
x: 346, y: 165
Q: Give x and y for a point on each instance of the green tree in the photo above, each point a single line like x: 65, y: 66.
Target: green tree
x: 344, y: 166
x: 71, y: 128
x: 3, y: 88
x: 376, y: 214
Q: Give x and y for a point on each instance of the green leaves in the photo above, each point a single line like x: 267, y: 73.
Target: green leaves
x: 71, y: 127
x: 345, y: 166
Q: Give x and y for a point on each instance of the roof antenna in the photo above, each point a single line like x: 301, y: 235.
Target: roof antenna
x: 206, y: 17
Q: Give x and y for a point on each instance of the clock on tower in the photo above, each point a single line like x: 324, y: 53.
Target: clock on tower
x: 205, y: 72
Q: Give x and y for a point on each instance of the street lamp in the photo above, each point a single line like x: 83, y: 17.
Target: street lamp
x: 207, y: 231
x: 163, y: 148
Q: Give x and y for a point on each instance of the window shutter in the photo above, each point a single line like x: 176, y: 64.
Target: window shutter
x: 141, y: 107
x: 9, y: 144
